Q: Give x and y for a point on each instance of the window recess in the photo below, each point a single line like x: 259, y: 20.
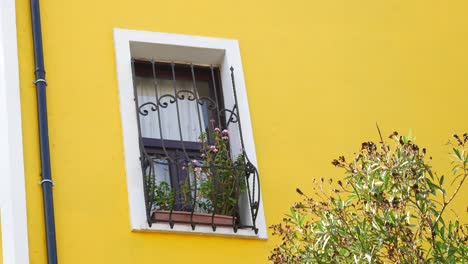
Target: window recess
x: 195, y: 168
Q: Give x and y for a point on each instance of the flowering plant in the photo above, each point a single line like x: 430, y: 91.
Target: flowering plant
x: 219, y: 178
x: 389, y: 208
x: 214, y: 182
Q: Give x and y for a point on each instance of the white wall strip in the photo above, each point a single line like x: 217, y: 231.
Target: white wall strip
x: 12, y: 186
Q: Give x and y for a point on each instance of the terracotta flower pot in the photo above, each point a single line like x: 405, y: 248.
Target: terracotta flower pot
x: 198, y: 218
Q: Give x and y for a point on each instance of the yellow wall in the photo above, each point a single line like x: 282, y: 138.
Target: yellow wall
x: 319, y: 75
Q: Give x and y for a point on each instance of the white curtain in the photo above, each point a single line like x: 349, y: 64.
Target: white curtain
x: 188, y: 114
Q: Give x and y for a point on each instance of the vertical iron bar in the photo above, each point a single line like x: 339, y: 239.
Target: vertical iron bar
x: 194, y: 195
x: 213, y: 168
x: 181, y: 137
x: 237, y: 194
x: 254, y: 214
x: 216, y: 96
x: 174, y: 85
x: 155, y: 83
x: 237, y: 109
x: 258, y: 203
x: 195, y: 89
x: 170, y: 159
x: 248, y: 190
x: 197, y: 102
x: 175, y: 169
x: 214, y: 175
x: 179, y: 124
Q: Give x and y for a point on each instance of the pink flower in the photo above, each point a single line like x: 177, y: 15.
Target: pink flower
x: 183, y: 168
x: 225, y: 131
x: 212, y: 147
x: 194, y: 161
x: 215, y: 150
x: 225, y: 138
x: 203, y: 155
x: 197, y: 169
x: 217, y: 129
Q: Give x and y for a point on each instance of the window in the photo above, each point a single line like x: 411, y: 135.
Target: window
x: 182, y: 98
x: 190, y: 174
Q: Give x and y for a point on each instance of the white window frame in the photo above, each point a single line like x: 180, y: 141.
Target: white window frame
x: 12, y: 185
x: 180, y: 48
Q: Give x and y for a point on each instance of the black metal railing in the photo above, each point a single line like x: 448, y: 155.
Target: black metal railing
x: 210, y: 181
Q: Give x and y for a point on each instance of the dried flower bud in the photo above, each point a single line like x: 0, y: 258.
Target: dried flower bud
x: 394, y: 135
x: 364, y: 145
x: 401, y: 141
x: 458, y: 139
x: 299, y: 191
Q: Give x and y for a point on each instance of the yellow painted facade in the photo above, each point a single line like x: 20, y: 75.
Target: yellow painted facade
x: 319, y: 75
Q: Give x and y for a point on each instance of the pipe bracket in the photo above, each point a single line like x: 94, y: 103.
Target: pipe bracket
x: 40, y: 80
x: 46, y: 180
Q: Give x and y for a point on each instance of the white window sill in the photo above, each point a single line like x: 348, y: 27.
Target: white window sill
x: 200, y: 230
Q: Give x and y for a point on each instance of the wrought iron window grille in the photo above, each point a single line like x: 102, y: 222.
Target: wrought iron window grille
x: 171, y: 157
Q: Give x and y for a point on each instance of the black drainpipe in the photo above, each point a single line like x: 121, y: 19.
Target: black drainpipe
x: 46, y: 181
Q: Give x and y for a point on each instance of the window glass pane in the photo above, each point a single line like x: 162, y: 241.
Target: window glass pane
x: 161, y: 170
x: 199, y: 179
x: 163, y: 191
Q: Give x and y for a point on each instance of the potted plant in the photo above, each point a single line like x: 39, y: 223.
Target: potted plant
x: 211, y: 191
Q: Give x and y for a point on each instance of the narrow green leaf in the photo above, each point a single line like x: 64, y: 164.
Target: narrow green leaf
x: 404, y: 140
x: 386, y: 179
x: 457, y: 153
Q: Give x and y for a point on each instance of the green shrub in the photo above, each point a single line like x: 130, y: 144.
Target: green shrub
x: 388, y: 208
